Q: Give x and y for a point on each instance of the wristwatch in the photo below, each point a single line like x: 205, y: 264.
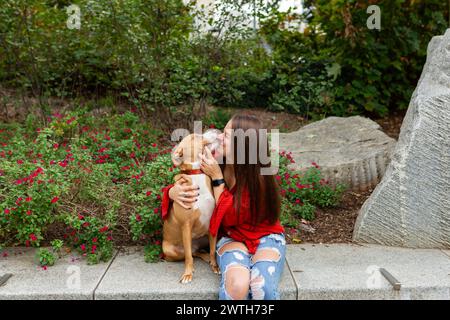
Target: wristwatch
x: 217, y: 182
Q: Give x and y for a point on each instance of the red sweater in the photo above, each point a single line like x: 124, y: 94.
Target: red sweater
x: 224, y: 220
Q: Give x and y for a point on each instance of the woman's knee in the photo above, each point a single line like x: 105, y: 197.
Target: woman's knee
x: 237, y: 281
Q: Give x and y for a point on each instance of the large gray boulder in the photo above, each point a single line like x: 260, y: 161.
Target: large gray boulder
x: 353, y: 151
x: 411, y: 205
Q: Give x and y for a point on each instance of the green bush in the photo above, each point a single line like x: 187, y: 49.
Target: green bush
x: 152, y: 56
x: 45, y: 257
x: 302, y: 192
x: 378, y: 69
x: 83, y: 177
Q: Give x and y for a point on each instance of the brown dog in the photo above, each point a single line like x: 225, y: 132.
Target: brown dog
x: 185, y: 231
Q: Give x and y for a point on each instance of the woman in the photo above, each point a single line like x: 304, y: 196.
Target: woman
x: 251, y: 244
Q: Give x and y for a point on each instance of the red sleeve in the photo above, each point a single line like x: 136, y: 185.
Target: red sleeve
x: 165, y: 204
x: 224, y: 205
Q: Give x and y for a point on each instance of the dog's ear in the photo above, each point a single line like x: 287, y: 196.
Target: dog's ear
x: 177, y: 156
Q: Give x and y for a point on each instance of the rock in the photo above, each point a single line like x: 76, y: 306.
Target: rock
x: 353, y: 150
x: 411, y: 205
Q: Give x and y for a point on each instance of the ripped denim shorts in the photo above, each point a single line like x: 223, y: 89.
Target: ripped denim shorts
x: 264, y: 273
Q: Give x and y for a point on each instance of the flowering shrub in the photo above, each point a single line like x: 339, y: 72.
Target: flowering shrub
x: 79, y: 173
x: 90, y: 237
x: 45, y: 257
x: 302, y: 192
x: 96, y: 179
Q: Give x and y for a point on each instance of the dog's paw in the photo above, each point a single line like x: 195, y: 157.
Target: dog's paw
x: 214, y: 267
x: 186, y: 278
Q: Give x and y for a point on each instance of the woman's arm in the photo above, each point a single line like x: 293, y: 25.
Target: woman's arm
x: 211, y: 168
x: 182, y: 194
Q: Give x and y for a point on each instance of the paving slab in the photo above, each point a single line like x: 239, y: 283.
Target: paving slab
x: 347, y: 271
x: 130, y: 277
x: 70, y: 277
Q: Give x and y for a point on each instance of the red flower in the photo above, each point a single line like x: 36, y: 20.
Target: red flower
x: 278, y: 177
x: 28, y: 212
x: 138, y: 217
x: 63, y: 164
x: 7, y: 211
x: 27, y: 243
x: 153, y: 145
x: 54, y: 199
x: 83, y: 247
x: 86, y: 224
x: 33, y: 237
x: 94, y: 240
x: 148, y: 193
x: 44, y: 268
x: 80, y: 217
x: 156, y: 210
x: 28, y: 199
x: 94, y: 247
x: 19, y: 161
x: 104, y: 229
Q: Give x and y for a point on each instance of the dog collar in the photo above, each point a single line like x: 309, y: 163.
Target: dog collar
x: 192, y: 172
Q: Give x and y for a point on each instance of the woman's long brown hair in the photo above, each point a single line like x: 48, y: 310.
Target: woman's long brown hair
x: 263, y: 189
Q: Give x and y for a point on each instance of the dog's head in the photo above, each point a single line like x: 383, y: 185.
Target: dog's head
x: 185, y: 154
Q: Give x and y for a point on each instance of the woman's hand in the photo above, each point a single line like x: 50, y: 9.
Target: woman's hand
x: 209, y: 165
x: 184, y: 195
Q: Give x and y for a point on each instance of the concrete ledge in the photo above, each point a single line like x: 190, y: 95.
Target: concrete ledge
x: 130, y: 277
x: 59, y: 282
x: 345, y: 271
x: 332, y: 272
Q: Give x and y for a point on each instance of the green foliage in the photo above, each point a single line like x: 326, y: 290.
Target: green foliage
x: 45, y: 257
x: 218, y: 118
x: 302, y: 192
x: 152, y: 253
x: 153, y: 56
x: 90, y: 236
x: 80, y: 173
x: 378, y: 69
x: 146, y: 195
x: 57, y: 245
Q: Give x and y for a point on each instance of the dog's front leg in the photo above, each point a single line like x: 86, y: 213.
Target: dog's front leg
x: 212, y: 254
x: 188, y: 259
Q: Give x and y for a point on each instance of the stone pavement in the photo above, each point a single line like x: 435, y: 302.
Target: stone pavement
x: 312, y: 271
